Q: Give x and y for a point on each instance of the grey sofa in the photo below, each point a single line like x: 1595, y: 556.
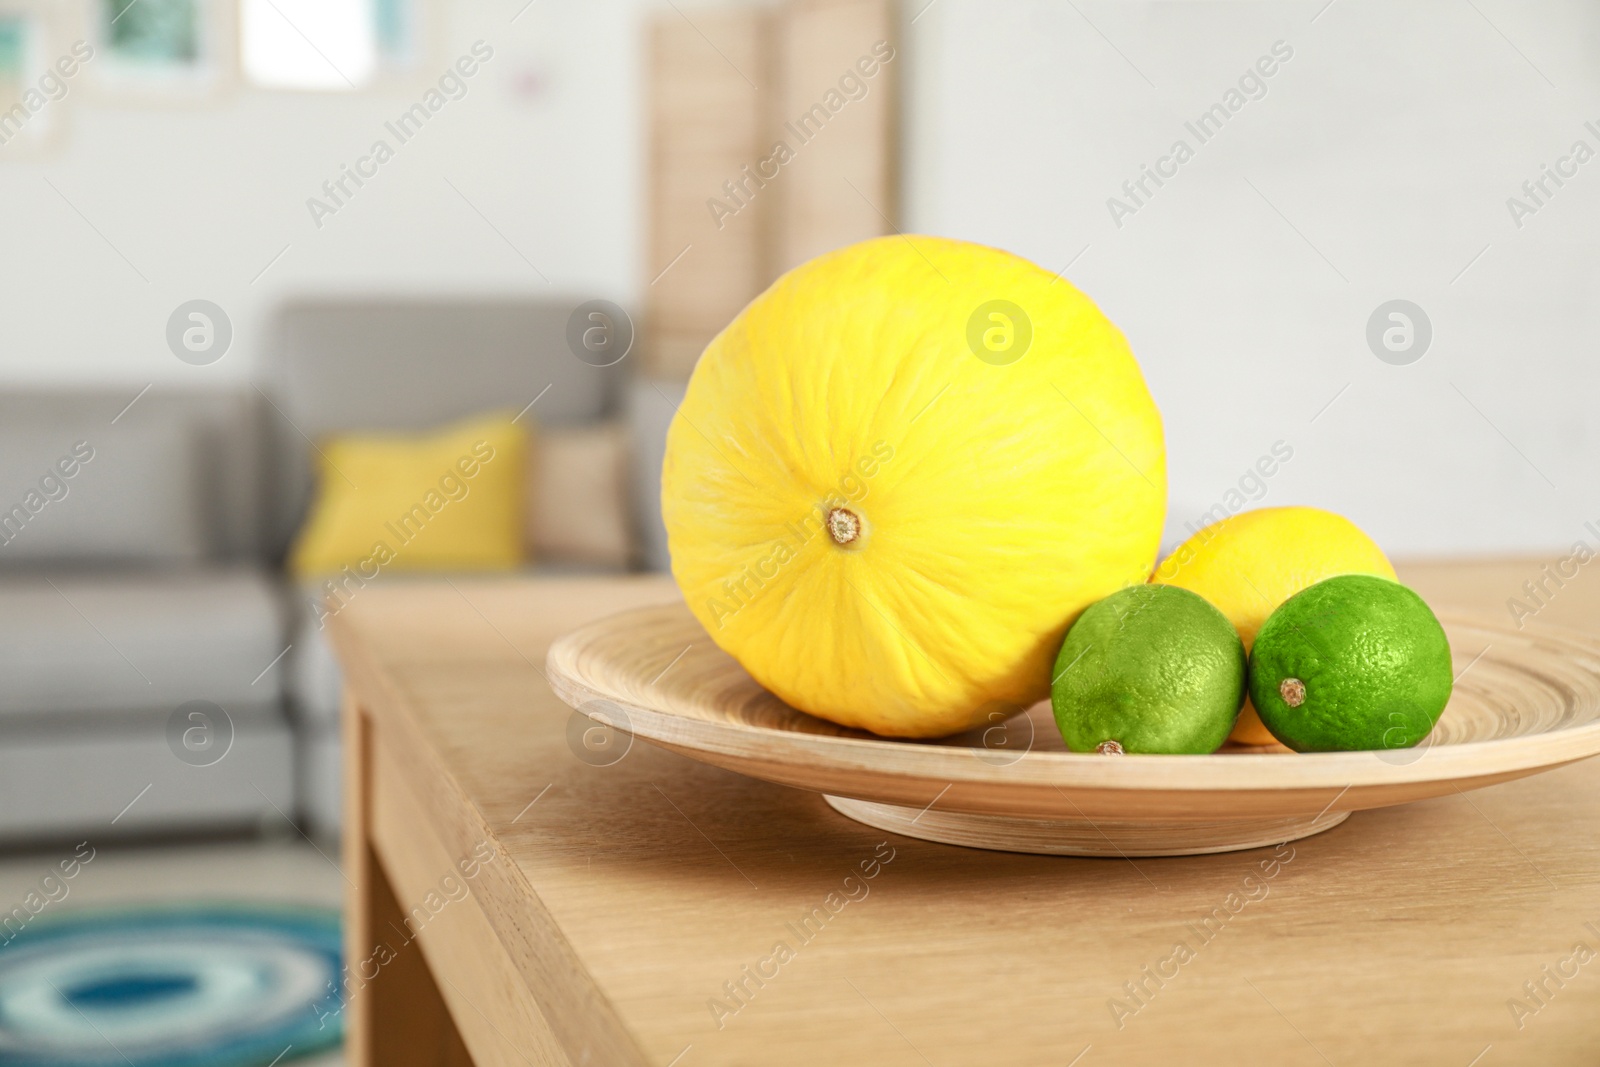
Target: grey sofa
x: 158, y: 672
x: 133, y: 581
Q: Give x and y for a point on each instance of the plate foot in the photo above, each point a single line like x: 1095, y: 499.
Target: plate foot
x: 1084, y: 837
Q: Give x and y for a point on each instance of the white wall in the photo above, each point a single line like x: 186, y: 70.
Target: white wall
x: 1391, y: 140
x: 200, y: 199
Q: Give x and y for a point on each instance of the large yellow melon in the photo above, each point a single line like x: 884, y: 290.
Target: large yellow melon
x: 901, y: 472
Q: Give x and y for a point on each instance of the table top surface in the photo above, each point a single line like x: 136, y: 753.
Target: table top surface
x: 721, y: 920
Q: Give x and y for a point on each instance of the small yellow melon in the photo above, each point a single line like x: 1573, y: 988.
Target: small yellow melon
x: 901, y: 472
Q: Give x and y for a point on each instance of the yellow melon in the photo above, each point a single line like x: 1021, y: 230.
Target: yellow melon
x: 901, y: 472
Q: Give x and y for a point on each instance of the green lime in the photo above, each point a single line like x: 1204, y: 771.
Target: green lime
x: 1354, y: 662
x: 1151, y: 668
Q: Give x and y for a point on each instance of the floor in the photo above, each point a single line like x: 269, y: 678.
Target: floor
x: 282, y: 868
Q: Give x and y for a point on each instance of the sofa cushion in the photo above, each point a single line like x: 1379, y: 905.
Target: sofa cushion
x: 361, y: 364
x: 578, y: 503
x: 132, y: 428
x: 446, y: 500
x: 123, y: 779
x: 94, y: 491
x: 123, y: 642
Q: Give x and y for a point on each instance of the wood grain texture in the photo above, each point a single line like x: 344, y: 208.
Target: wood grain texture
x: 394, y: 1015
x: 362, y: 903
x: 585, y: 1025
x: 648, y: 884
x: 439, y: 919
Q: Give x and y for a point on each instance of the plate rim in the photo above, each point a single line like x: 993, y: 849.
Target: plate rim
x: 1207, y: 773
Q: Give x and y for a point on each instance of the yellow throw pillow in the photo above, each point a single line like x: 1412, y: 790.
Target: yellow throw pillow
x: 450, y: 500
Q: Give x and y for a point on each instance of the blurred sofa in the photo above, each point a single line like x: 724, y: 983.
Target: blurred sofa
x: 159, y: 673
x: 133, y: 580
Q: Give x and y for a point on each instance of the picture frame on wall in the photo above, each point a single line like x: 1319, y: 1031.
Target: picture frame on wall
x: 40, y: 72
x: 163, y: 51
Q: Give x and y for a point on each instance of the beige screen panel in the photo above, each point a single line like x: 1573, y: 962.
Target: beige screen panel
x: 707, y: 113
x: 772, y: 140
x: 839, y: 65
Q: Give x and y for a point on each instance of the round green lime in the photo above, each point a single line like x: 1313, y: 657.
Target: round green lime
x: 1151, y: 668
x: 1354, y: 662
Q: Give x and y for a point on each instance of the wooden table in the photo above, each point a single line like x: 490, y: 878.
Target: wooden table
x: 515, y: 904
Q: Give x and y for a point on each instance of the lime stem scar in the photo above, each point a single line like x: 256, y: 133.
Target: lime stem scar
x: 1109, y: 748
x: 1293, y: 692
x: 844, y: 525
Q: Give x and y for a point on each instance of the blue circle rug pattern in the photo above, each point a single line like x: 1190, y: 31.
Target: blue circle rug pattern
x: 171, y: 987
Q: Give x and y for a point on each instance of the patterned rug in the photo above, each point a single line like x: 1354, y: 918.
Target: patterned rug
x: 171, y: 987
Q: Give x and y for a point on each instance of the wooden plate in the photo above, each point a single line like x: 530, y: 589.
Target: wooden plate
x: 1525, y: 701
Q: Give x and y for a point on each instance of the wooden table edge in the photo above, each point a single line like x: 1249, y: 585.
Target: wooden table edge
x: 585, y: 1023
